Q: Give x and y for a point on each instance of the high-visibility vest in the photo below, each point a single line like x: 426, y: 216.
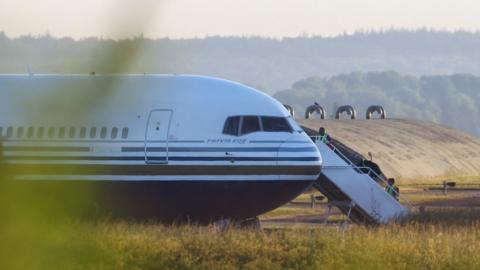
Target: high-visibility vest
x: 392, y: 190
x: 324, y: 138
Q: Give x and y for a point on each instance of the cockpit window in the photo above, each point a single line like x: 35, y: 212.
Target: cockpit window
x: 253, y: 123
x: 250, y: 124
x: 231, y: 125
x: 275, y: 124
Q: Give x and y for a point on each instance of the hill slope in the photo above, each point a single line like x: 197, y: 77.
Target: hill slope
x: 409, y: 150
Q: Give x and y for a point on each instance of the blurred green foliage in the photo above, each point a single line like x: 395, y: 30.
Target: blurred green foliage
x: 35, y: 221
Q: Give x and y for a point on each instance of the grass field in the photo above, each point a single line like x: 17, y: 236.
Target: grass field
x: 436, y: 239
x: 288, y: 211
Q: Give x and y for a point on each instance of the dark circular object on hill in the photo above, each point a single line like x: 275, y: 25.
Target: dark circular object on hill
x: 348, y: 109
x: 378, y: 109
x: 315, y: 108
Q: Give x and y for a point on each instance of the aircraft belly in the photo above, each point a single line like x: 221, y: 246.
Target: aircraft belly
x: 169, y: 193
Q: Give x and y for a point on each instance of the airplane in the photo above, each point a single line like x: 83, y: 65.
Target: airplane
x: 170, y: 147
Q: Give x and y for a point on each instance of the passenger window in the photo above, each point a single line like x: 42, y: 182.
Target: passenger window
x: 40, y: 132
x: 9, y: 132
x: 103, y: 133
x: 250, y: 124
x: 124, y: 133
x: 71, y: 133
x: 61, y: 132
x: 51, y: 132
x: 275, y: 124
x: 83, y: 132
x: 93, y: 132
x: 19, y: 132
x: 30, y: 132
x: 114, y: 133
x: 231, y: 125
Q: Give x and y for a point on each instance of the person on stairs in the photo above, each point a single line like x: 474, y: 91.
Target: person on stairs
x: 325, y: 138
x: 392, y: 189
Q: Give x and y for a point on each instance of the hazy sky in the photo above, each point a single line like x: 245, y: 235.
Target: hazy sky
x: 190, y: 18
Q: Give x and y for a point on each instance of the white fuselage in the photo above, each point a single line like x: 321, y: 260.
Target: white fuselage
x: 157, y: 135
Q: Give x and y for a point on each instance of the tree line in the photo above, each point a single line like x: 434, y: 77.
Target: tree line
x: 453, y: 100
x: 266, y: 63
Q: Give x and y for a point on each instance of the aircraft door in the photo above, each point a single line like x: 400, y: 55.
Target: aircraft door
x: 156, y: 136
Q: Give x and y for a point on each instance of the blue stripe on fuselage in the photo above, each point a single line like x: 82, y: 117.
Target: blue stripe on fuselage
x: 170, y: 158
x: 220, y: 149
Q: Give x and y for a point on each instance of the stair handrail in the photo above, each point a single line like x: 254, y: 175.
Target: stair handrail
x: 402, y: 197
x: 357, y: 169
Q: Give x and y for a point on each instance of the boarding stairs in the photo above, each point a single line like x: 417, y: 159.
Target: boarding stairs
x: 354, y: 191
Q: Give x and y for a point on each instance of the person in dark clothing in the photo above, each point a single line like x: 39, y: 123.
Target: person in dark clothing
x: 325, y: 138
x: 392, y: 189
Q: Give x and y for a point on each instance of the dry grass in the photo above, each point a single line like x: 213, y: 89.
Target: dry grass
x: 438, y: 180
x: 305, y: 197
x: 289, y: 211
x: 418, y: 197
x: 443, y: 239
